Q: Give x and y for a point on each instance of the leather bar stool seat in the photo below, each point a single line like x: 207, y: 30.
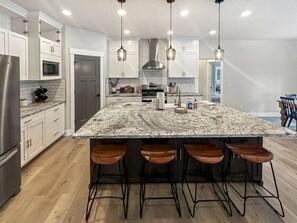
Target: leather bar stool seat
x: 251, y: 152
x: 209, y: 153
x: 106, y: 154
x: 158, y: 153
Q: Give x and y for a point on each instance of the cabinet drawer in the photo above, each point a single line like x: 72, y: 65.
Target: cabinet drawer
x: 136, y: 99
x: 59, y: 109
x: 118, y: 99
x: 54, y: 133
x: 28, y: 120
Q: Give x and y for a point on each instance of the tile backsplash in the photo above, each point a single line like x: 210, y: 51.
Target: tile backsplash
x: 56, y: 89
x: 155, y: 76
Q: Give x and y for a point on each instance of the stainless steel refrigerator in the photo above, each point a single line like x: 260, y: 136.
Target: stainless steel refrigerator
x: 10, y: 164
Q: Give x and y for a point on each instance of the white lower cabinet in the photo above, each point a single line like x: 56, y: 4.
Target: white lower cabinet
x: 39, y: 131
x: 32, y: 136
x: 54, y: 123
x: 110, y: 100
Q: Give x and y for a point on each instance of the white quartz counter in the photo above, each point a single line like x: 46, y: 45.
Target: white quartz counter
x: 142, y: 120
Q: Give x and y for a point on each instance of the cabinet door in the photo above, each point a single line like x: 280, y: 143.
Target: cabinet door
x: 190, y: 63
x: 36, y: 138
x: 177, y: 45
x: 56, y: 49
x: 46, y: 46
x: 175, y: 67
x: 131, y: 46
x: 131, y: 66
x: 114, y: 45
x: 190, y: 46
x: 115, y: 67
x: 3, y: 41
x: 18, y: 46
x: 24, y: 145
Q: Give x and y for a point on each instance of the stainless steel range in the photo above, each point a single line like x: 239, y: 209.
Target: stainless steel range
x: 149, y: 92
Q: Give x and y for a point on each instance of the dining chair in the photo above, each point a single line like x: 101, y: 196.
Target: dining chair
x: 290, y: 108
x: 292, y: 96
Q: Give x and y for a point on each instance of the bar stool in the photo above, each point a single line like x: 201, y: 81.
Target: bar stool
x: 210, y: 155
x: 158, y: 154
x: 108, y: 154
x: 253, y: 153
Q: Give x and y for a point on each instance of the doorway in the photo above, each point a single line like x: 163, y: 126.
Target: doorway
x: 87, y: 88
x: 210, y: 80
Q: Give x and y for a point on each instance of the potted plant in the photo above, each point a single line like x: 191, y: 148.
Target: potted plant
x: 113, y: 83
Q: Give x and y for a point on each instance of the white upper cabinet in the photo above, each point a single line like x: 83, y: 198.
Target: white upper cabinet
x: 3, y: 41
x: 186, y: 61
x: 44, y: 45
x: 123, y: 69
x: 50, y: 47
x: 18, y: 46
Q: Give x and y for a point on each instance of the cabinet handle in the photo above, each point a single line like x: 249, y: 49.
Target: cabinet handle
x: 56, y: 120
x: 26, y: 122
x: 119, y: 99
x: 56, y: 133
x: 56, y: 109
x: 27, y: 142
x: 30, y: 142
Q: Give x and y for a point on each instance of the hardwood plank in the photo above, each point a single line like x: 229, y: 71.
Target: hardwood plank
x: 55, y: 188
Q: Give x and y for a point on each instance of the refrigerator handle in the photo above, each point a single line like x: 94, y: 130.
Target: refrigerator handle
x: 8, y: 157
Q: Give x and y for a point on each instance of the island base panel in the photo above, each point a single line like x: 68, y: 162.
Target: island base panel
x: 134, y: 160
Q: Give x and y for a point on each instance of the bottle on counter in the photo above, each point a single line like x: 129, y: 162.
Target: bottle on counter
x: 190, y: 104
x: 195, y: 105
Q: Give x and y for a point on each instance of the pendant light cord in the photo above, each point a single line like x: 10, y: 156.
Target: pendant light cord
x: 170, y: 24
x: 121, y: 25
x: 219, y: 34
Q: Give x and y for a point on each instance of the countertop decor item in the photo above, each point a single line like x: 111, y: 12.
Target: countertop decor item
x: 113, y: 84
x: 40, y: 94
x: 23, y: 102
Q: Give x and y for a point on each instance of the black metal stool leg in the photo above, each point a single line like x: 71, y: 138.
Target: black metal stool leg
x: 174, y: 188
x: 92, y: 192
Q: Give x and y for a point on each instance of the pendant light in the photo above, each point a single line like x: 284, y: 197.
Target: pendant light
x: 170, y: 52
x: 219, y: 53
x: 122, y: 53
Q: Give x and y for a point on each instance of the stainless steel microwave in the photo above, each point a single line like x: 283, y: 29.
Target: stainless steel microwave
x: 50, y: 68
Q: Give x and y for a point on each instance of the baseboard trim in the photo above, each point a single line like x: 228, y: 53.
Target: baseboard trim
x: 265, y: 114
x: 68, y: 132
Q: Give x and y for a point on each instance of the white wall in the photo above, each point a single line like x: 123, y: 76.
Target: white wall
x: 85, y: 40
x: 256, y: 73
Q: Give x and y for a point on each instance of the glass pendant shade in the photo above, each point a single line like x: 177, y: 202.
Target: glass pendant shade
x: 219, y: 54
x: 122, y: 54
x: 170, y: 53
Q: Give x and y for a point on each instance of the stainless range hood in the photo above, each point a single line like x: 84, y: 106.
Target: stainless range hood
x: 153, y: 63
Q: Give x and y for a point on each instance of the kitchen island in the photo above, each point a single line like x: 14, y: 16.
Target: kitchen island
x: 135, y: 123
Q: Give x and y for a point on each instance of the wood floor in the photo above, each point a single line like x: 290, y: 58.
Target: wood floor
x: 54, y: 189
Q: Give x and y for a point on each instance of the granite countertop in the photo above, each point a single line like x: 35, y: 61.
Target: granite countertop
x: 34, y: 108
x: 184, y: 94
x: 124, y: 95
x: 142, y: 120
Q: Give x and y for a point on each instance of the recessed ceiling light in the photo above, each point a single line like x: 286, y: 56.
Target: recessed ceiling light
x: 67, y: 12
x: 122, y: 12
x: 127, y: 31
x: 170, y: 32
x: 184, y: 12
x: 246, y: 13
x: 212, y: 32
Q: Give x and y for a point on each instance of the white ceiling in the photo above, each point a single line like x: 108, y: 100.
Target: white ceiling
x: 271, y: 19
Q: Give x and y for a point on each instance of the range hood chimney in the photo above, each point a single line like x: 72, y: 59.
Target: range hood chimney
x: 153, y: 63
